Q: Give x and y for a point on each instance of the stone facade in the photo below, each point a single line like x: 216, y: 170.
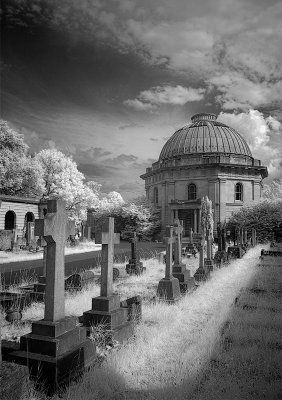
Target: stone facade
x: 206, y: 158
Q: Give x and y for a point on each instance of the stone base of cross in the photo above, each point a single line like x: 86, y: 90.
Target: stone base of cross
x: 168, y: 287
x: 106, y: 308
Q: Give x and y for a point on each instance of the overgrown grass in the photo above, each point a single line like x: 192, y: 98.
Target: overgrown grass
x: 178, y: 351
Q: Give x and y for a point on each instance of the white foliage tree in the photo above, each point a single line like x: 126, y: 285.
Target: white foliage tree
x: 62, y: 180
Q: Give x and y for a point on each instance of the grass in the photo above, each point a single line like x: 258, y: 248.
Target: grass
x: 180, y: 351
x: 25, y: 255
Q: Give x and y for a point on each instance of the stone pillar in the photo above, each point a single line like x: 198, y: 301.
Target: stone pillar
x: 164, y: 206
x: 195, y: 221
x: 222, y: 200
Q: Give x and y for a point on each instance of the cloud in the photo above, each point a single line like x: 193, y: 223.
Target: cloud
x: 139, y: 105
x: 174, y: 95
x: 238, y: 92
x: 263, y: 135
x: 129, y: 126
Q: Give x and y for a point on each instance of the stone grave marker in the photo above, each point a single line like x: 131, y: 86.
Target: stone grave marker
x: 30, y: 236
x: 106, y: 309
x: 169, y: 288
x: 179, y: 270
x: 254, y: 237
x: 134, y: 266
x: 56, y: 349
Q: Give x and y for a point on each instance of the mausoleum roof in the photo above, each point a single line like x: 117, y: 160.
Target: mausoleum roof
x: 205, y: 135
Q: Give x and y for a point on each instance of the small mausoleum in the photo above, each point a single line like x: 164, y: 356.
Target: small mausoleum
x: 15, y: 215
x: 204, y: 158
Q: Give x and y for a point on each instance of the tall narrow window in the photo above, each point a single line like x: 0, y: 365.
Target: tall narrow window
x: 156, y: 196
x: 192, y: 191
x: 239, y: 191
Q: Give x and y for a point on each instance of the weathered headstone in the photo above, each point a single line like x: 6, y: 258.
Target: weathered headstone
x: 179, y: 270
x: 169, y: 288
x: 254, y: 237
x: 106, y: 308
x: 56, y: 349
x: 89, y: 233
x: 30, y: 237
x: 134, y: 266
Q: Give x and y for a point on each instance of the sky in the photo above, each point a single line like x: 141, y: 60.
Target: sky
x: 109, y: 81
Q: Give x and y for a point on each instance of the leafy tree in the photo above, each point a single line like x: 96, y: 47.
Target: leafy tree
x: 263, y: 216
x: 20, y: 174
x: 138, y: 215
x: 62, y: 180
x: 273, y: 190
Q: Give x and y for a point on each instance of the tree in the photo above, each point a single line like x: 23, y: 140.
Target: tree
x: 273, y: 190
x: 263, y: 216
x: 62, y: 180
x: 20, y: 174
x: 138, y: 216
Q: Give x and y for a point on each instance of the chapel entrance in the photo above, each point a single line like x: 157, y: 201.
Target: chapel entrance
x: 187, y: 216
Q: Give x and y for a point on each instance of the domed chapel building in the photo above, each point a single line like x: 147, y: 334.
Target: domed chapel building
x: 204, y: 158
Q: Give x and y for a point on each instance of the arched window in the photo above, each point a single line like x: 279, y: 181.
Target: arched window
x: 29, y: 217
x: 156, y: 195
x: 192, y: 191
x: 239, y: 191
x: 10, y: 220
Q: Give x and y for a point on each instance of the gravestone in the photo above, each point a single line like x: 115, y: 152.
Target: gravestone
x: 15, y: 241
x: 56, y: 349
x: 254, y: 237
x: 106, y: 308
x: 169, y: 288
x: 134, y: 308
x: 179, y: 270
x: 30, y: 236
x: 134, y: 266
x: 79, y: 280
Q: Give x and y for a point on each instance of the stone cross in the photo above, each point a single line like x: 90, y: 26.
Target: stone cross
x: 108, y: 239
x: 55, y: 229
x: 169, y: 239
x: 133, y: 240
x: 178, y: 229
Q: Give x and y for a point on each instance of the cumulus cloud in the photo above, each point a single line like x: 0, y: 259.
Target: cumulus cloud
x: 175, y: 95
x: 263, y: 135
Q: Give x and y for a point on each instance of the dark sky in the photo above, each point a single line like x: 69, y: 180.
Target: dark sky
x: 109, y: 81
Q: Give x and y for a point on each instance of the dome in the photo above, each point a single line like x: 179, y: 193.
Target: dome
x: 205, y: 135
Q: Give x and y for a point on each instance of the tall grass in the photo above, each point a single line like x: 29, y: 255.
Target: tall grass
x: 172, y: 345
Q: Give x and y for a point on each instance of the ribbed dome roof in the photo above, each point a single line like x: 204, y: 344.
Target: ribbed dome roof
x: 205, y: 135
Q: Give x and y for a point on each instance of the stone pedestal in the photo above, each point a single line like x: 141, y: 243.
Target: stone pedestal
x: 106, y: 311
x: 169, y: 289
x: 208, y: 264
x: 191, y: 248
x: 55, y: 352
x: 183, y: 275
x: 135, y: 267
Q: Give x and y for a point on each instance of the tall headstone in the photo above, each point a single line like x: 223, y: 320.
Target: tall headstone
x: 179, y: 270
x: 134, y: 266
x: 219, y: 236
x: 56, y: 348
x: 169, y: 288
x: 106, y: 308
x: 30, y: 236
x: 254, y: 237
